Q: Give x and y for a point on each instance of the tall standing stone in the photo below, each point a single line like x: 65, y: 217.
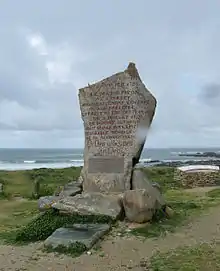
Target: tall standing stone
x: 117, y: 113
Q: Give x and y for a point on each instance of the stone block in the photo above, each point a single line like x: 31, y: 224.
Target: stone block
x: 45, y: 203
x: 85, y: 234
x: 91, y: 204
x: 139, y: 205
x: 140, y: 181
x: 71, y: 189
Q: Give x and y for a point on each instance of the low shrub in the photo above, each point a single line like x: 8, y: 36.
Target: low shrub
x: 74, y: 250
x: 45, y: 224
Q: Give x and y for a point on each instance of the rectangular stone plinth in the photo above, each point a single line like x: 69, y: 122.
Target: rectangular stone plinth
x: 73, y: 235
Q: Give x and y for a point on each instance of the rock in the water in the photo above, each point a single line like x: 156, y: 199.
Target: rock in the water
x: 117, y: 113
x: 85, y: 234
x: 140, y: 181
x: 139, y: 205
x: 45, y: 203
x: 91, y: 204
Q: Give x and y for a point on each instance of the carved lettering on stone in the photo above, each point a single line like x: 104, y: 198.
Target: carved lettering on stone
x: 116, y: 112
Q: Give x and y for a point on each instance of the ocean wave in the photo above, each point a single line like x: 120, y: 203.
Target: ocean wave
x: 145, y: 160
x: 58, y: 161
x: 52, y: 161
x: 175, y: 153
x: 29, y: 162
x: 77, y: 161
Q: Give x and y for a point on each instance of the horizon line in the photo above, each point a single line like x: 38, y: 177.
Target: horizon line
x: 146, y: 148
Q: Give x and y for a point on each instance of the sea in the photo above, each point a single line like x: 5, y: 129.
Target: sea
x: 24, y: 159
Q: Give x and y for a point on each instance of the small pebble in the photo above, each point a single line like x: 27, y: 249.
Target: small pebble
x: 89, y: 252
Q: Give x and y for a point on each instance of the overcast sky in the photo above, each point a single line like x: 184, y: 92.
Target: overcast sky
x: 51, y: 48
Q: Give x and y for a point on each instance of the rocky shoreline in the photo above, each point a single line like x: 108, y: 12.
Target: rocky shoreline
x: 158, y: 163
x: 201, y: 154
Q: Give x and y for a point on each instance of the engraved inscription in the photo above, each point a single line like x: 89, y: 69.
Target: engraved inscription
x: 112, y: 112
x: 116, y: 111
x: 106, y: 165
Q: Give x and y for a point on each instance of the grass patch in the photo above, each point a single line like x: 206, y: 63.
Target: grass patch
x: 200, y: 258
x: 21, y: 182
x: 16, y: 217
x: 214, y: 193
x: 163, y: 176
x: 185, y: 206
x: 14, y: 214
x: 45, y: 224
x: 160, y: 225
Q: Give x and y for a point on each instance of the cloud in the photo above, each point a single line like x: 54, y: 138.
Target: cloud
x: 45, y: 98
x: 210, y: 94
x: 47, y: 54
x: 60, y: 60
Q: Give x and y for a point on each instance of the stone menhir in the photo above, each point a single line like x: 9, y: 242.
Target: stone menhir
x: 117, y: 113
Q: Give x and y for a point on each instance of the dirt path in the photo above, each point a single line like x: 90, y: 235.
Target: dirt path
x: 117, y: 253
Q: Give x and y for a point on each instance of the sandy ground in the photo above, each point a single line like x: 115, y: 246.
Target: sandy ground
x: 116, y: 252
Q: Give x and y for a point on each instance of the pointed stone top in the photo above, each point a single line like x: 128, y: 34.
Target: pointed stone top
x: 131, y: 70
x: 131, y: 65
